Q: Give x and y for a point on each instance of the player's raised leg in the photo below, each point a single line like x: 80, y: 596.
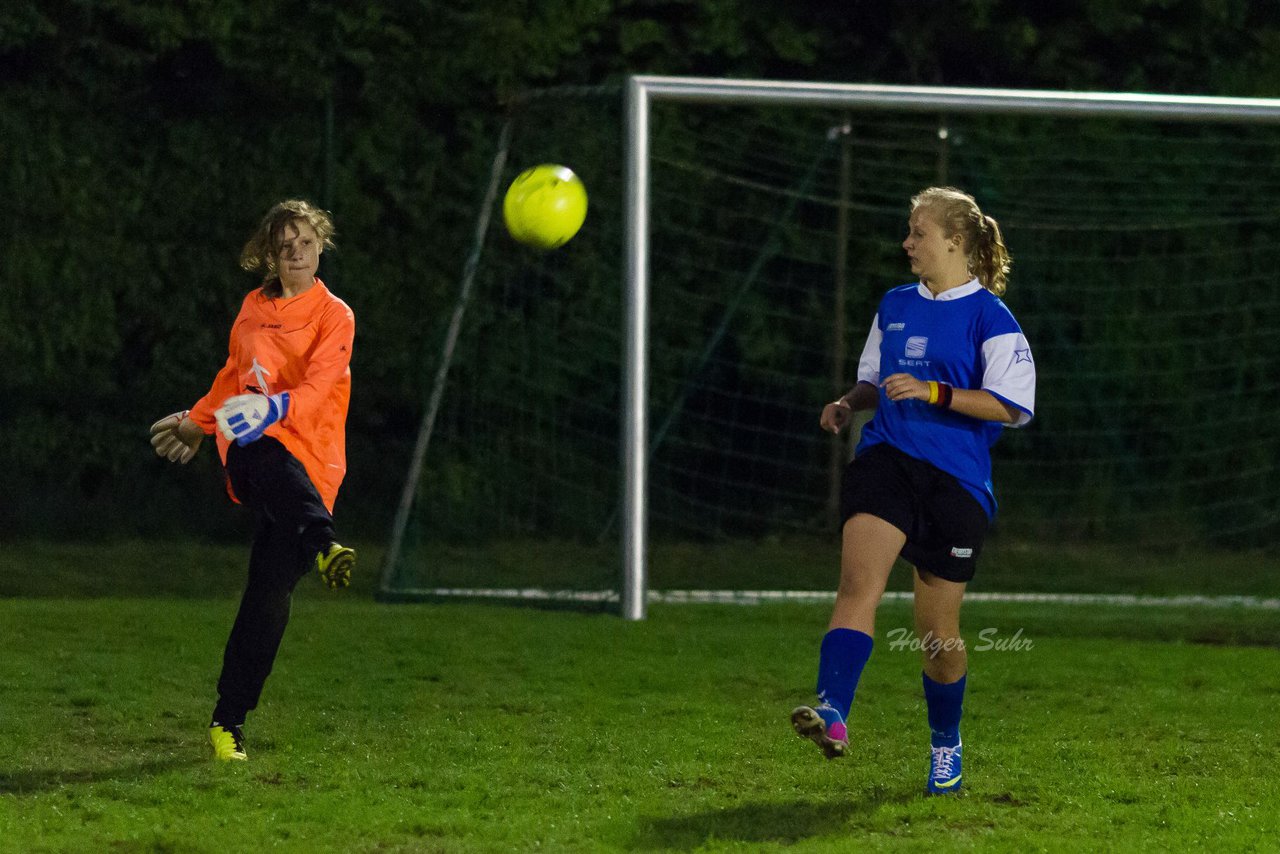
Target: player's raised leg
x: 946, y: 664
x: 334, y: 563
x: 869, y: 547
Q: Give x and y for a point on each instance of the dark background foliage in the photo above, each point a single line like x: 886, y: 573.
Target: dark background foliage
x: 140, y: 142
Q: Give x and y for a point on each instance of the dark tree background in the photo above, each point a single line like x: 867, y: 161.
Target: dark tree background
x: 141, y: 141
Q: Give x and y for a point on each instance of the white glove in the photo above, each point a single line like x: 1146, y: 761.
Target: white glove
x: 172, y: 443
x: 243, y: 418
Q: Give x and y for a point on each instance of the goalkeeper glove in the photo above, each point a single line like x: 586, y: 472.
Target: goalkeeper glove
x: 174, y: 443
x: 245, y: 417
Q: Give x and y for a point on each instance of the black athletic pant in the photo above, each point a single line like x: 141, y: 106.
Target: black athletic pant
x: 292, y: 526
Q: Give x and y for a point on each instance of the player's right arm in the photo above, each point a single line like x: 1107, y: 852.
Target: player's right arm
x: 226, y: 384
x: 866, y: 394
x: 839, y: 412
x: 177, y: 437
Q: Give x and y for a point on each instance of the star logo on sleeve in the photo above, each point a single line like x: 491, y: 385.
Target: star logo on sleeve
x: 1021, y: 356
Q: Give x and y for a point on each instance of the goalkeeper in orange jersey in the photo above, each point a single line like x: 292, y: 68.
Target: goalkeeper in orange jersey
x: 278, y: 411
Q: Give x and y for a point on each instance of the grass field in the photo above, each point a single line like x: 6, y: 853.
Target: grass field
x: 489, y: 728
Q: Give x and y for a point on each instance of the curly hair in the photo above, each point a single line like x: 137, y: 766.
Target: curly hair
x: 260, y: 252
x: 958, y: 213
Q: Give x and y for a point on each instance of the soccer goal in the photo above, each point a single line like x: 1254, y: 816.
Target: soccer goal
x: 637, y: 411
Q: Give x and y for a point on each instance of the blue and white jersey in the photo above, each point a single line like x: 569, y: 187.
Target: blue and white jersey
x: 965, y: 337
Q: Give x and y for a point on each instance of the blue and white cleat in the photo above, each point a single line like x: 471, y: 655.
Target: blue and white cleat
x: 824, y: 726
x: 944, y: 769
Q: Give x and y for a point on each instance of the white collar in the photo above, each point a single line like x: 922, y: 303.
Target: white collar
x: 970, y: 287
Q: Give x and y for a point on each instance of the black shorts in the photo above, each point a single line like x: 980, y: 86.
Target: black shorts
x: 945, y: 525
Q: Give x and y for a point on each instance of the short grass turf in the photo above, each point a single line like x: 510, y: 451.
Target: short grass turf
x: 486, y: 728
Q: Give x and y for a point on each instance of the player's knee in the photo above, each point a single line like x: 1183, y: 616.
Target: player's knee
x: 943, y: 645
x: 856, y: 592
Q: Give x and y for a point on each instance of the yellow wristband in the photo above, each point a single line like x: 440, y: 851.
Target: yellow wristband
x: 933, y: 392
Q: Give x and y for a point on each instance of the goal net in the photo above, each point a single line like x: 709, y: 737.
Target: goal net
x: 1144, y: 277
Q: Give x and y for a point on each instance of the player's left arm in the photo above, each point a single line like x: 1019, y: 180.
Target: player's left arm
x: 1008, y: 392
x: 328, y: 362
x: 1008, y: 377
x: 976, y: 403
x: 984, y: 406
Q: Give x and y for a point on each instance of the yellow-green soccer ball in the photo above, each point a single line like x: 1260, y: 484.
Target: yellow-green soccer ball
x: 545, y: 206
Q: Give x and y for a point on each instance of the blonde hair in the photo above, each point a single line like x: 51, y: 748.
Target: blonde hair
x: 260, y: 252
x: 958, y: 213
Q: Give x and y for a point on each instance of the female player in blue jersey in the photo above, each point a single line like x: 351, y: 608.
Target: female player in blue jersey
x: 945, y: 368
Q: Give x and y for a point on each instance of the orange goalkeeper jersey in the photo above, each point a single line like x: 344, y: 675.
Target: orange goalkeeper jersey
x: 301, y: 345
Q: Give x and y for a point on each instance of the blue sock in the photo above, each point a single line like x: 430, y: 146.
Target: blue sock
x: 844, y: 654
x: 944, y: 701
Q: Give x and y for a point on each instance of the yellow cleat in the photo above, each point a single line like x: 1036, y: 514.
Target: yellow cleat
x: 228, y: 743
x: 335, y: 565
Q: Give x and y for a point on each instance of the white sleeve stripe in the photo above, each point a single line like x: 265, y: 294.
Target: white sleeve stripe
x: 1009, y: 373
x: 869, y: 363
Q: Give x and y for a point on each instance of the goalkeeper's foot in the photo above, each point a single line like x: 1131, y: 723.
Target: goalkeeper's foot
x: 228, y: 742
x: 944, y: 769
x: 335, y: 564
x: 824, y: 726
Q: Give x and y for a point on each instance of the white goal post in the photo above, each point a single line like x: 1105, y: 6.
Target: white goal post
x: 643, y: 91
